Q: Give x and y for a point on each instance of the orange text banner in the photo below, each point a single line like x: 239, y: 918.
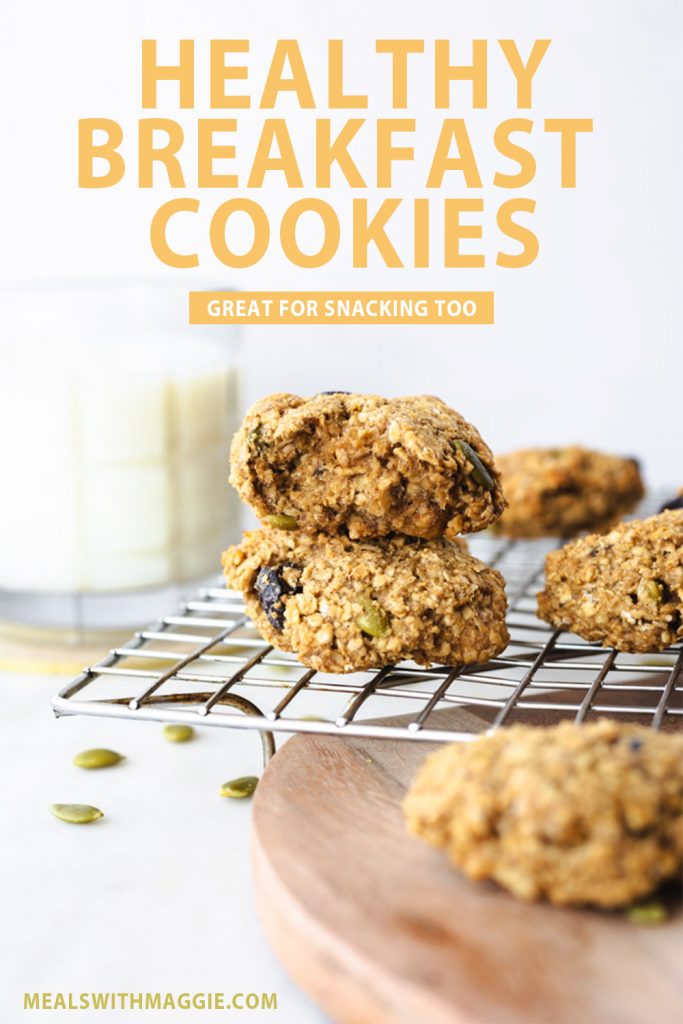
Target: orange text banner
x: 341, y: 307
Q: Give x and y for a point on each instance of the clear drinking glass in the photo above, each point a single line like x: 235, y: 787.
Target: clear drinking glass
x: 115, y: 421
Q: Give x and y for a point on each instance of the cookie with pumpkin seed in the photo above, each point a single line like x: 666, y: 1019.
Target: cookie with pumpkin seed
x: 560, y: 492
x: 345, y: 606
x: 589, y: 814
x: 623, y: 588
x: 365, y: 466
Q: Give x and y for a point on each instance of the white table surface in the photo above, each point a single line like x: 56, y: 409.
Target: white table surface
x: 154, y: 897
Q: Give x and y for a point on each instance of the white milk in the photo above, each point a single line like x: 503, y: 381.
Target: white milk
x: 114, y: 447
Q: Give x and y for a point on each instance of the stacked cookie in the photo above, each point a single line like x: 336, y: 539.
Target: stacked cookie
x: 359, y: 562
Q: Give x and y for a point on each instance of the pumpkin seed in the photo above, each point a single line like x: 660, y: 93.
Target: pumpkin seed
x: 98, y: 757
x: 281, y: 522
x: 480, y: 473
x: 254, y: 437
x: 653, y: 590
x: 240, y: 788
x: 647, y: 913
x: 373, y: 619
x: 178, y: 733
x: 76, y: 814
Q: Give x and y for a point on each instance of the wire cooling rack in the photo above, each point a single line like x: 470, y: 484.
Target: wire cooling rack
x: 207, y: 665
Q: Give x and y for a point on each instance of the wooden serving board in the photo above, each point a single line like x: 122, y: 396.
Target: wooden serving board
x: 379, y: 929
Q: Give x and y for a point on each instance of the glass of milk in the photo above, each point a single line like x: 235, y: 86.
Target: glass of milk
x: 115, y: 423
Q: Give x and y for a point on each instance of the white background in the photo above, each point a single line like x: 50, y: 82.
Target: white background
x: 586, y: 347
x: 586, y: 341
x: 154, y: 897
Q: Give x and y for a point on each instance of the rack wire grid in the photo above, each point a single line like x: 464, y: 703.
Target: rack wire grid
x: 208, y: 665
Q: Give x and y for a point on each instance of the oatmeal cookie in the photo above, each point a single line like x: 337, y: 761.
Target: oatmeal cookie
x: 558, y: 492
x: 589, y: 814
x: 365, y: 466
x: 623, y: 588
x: 346, y: 605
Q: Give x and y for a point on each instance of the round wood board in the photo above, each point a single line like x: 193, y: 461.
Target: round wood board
x: 379, y: 929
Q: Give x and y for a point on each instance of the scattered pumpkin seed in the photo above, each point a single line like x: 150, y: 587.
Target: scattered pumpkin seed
x: 98, y: 757
x: 480, y: 473
x: 373, y: 619
x: 647, y: 913
x: 76, y: 814
x: 178, y: 733
x: 240, y: 788
x: 282, y: 522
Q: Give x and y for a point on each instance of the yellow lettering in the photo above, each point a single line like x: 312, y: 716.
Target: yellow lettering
x: 445, y: 73
x: 107, y: 150
x: 454, y: 128
x: 157, y: 233
x: 524, y: 73
x: 220, y: 73
x: 399, y: 50
x: 287, y: 51
x: 568, y: 128
x: 152, y: 73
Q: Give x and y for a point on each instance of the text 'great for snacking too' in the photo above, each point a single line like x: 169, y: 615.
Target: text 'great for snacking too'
x: 242, y: 154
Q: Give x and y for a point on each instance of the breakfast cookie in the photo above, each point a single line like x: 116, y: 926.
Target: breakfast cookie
x: 558, y: 492
x: 589, y: 814
x: 344, y: 606
x: 623, y: 588
x: 365, y: 466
